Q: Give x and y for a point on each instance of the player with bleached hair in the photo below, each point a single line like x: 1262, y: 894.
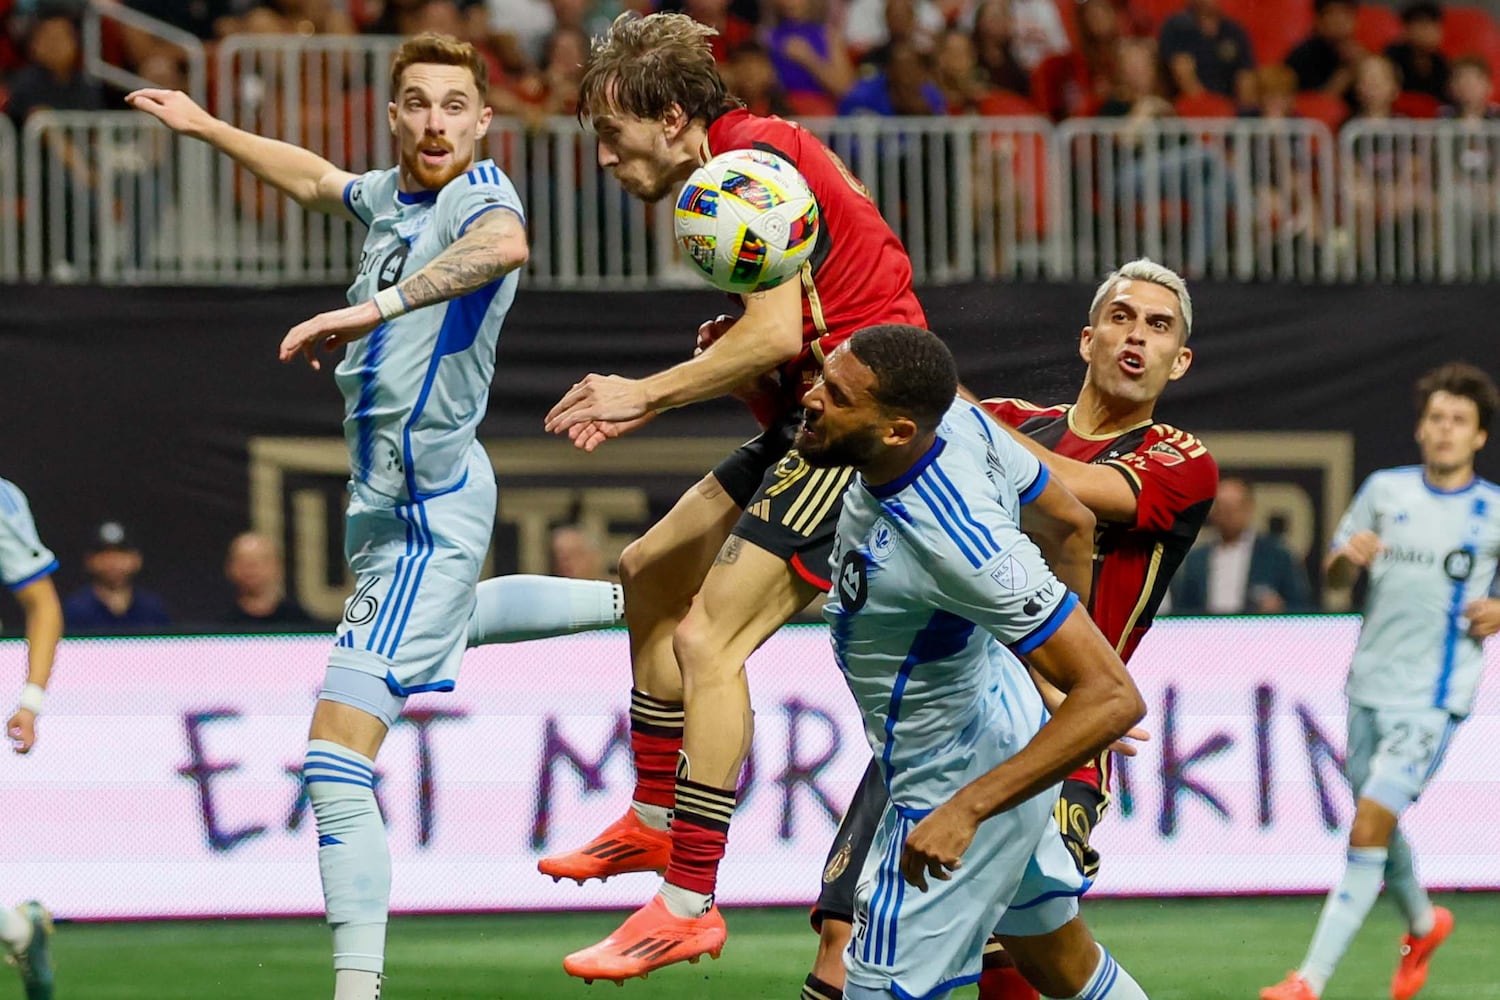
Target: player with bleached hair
x: 437, y: 277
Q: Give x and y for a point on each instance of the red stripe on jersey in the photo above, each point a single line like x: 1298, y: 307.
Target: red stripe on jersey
x: 859, y: 275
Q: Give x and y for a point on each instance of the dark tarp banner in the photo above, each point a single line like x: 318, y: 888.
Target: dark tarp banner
x: 167, y: 410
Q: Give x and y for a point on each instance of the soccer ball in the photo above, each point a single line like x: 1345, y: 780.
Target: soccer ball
x: 747, y: 220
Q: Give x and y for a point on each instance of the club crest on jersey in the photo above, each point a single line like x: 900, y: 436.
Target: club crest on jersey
x: 1166, y: 454
x: 1458, y: 564
x: 882, y: 540
x: 1010, y: 574
x: 853, y: 581
x: 392, y: 266
x: 838, y: 864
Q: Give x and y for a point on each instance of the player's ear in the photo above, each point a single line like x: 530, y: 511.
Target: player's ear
x: 390, y: 114
x: 1086, y: 344
x: 1181, y: 363
x: 674, y: 121
x: 900, y: 432
x: 486, y: 114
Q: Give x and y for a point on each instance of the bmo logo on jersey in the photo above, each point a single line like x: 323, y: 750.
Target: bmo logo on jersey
x: 854, y: 581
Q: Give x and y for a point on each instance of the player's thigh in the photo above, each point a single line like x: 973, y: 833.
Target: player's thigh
x: 1359, y: 751
x: 669, y: 561
x: 1410, y: 749
x: 918, y: 943
x: 747, y: 595
x: 851, y: 846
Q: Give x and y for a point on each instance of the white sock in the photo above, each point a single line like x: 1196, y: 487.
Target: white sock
x: 353, y: 858
x: 356, y: 984
x: 656, y: 817
x: 1343, y: 913
x: 685, y: 902
x: 524, y: 607
x: 1402, y: 886
x: 15, y: 930
x: 1110, y: 982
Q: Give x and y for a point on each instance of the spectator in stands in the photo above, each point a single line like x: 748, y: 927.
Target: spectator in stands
x: 964, y: 85
x: 1326, y: 60
x: 734, y: 30
x: 553, y: 90
x: 1418, y: 55
x: 871, y: 25
x: 254, y: 568
x: 207, y: 19
x: 110, y: 601
x: 1377, y: 84
x: 809, y: 55
x: 1240, y: 570
x: 753, y: 80
x: 1137, y: 89
x: 517, y: 30
x: 1077, y: 83
x: 163, y: 67
x: 54, y: 77
x: 994, y: 48
x: 577, y: 554
x: 1286, y: 183
x: 904, y: 87
x: 1205, y: 51
x: 1039, y: 31
x: 1470, y: 86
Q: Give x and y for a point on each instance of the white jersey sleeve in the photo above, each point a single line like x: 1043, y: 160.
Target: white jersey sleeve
x: 363, y: 195
x: 23, y: 557
x: 463, y: 200
x: 1007, y: 459
x: 1359, y: 517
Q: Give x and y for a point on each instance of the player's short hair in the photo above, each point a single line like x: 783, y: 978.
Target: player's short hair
x: 915, y: 374
x: 441, y: 50
x: 644, y: 65
x: 1460, y: 379
x: 1146, y: 269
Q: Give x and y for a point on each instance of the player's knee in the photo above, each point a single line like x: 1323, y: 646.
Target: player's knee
x: 1373, y: 825
x: 694, y: 643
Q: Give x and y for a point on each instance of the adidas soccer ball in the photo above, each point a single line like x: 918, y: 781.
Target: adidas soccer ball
x: 747, y: 220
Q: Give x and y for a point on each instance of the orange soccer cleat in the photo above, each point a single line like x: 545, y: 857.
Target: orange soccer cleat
x: 1411, y: 974
x: 627, y: 845
x: 1293, y: 987
x: 650, y: 938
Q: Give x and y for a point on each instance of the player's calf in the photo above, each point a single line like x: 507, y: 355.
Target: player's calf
x: 1069, y: 963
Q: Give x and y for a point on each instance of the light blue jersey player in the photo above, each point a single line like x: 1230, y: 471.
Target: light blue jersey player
x: 437, y: 276
x: 936, y: 595
x: 1428, y: 537
x: 26, y: 568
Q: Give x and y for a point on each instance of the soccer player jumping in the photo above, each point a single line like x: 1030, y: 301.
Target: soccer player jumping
x: 747, y: 547
x: 436, y: 279
x: 937, y: 594
x: 1428, y: 537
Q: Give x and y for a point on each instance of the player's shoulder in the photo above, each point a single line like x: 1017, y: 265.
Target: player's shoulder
x: 1396, y: 478
x: 742, y: 130
x: 1015, y: 411
x: 482, y: 179
x: 13, y: 503
x: 1174, y: 448
x: 946, y: 504
x: 372, y: 190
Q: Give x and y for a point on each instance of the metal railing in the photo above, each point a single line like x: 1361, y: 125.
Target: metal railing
x: 10, y: 204
x: 1421, y: 200
x: 95, y: 63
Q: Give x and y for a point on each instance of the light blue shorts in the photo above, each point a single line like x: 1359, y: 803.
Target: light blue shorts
x: 415, y: 566
x: 1017, y: 878
x: 1394, y: 753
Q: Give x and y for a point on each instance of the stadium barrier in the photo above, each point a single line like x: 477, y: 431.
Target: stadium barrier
x: 1237, y: 792
x: 10, y: 204
x: 96, y: 54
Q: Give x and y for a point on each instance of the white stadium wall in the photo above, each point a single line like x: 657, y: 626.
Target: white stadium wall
x: 165, y: 781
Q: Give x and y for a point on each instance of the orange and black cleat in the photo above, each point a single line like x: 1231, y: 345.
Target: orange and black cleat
x: 1416, y: 952
x: 651, y: 938
x: 628, y: 845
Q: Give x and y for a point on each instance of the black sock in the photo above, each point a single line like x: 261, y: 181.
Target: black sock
x: 816, y: 989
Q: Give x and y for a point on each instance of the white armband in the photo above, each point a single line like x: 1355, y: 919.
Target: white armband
x: 32, y: 696
x: 391, y: 303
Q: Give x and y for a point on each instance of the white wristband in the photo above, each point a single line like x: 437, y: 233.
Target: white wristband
x: 391, y: 303
x: 32, y: 696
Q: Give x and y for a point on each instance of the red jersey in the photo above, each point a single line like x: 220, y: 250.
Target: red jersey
x: 1174, y: 479
x: 859, y: 274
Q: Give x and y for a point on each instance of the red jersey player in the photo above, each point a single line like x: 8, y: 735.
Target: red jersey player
x: 747, y: 547
x: 1150, y: 486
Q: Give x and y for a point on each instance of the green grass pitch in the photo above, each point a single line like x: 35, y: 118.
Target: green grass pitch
x: 1177, y: 949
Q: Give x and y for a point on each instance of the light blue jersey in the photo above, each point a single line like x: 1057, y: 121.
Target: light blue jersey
x: 23, y: 557
x: 1439, y: 552
x: 416, y: 388
x: 933, y: 579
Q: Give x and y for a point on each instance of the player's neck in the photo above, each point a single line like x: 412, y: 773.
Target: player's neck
x: 1448, y: 480
x: 897, y: 462
x: 1097, y: 415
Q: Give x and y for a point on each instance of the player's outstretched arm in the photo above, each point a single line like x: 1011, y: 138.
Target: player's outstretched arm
x: 1063, y: 528
x: 1102, y: 705
x: 300, y: 174
x: 493, y: 246
x: 44, y: 627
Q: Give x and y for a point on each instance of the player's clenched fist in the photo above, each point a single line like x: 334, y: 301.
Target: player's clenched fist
x: 173, y: 109
x: 1361, y: 549
x: 21, y: 730
x: 936, y: 845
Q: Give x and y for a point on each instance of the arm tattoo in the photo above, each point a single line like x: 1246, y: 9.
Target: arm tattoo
x: 470, y: 262
x: 730, y: 552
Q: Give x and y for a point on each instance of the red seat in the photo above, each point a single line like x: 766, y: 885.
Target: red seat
x: 1469, y: 31
x: 1275, y: 26
x: 1414, y: 105
x: 1318, y: 106
x: 1376, y: 27
x: 1204, y: 105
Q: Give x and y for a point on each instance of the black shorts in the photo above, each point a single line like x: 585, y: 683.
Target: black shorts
x: 790, y: 509
x: 1079, y: 806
